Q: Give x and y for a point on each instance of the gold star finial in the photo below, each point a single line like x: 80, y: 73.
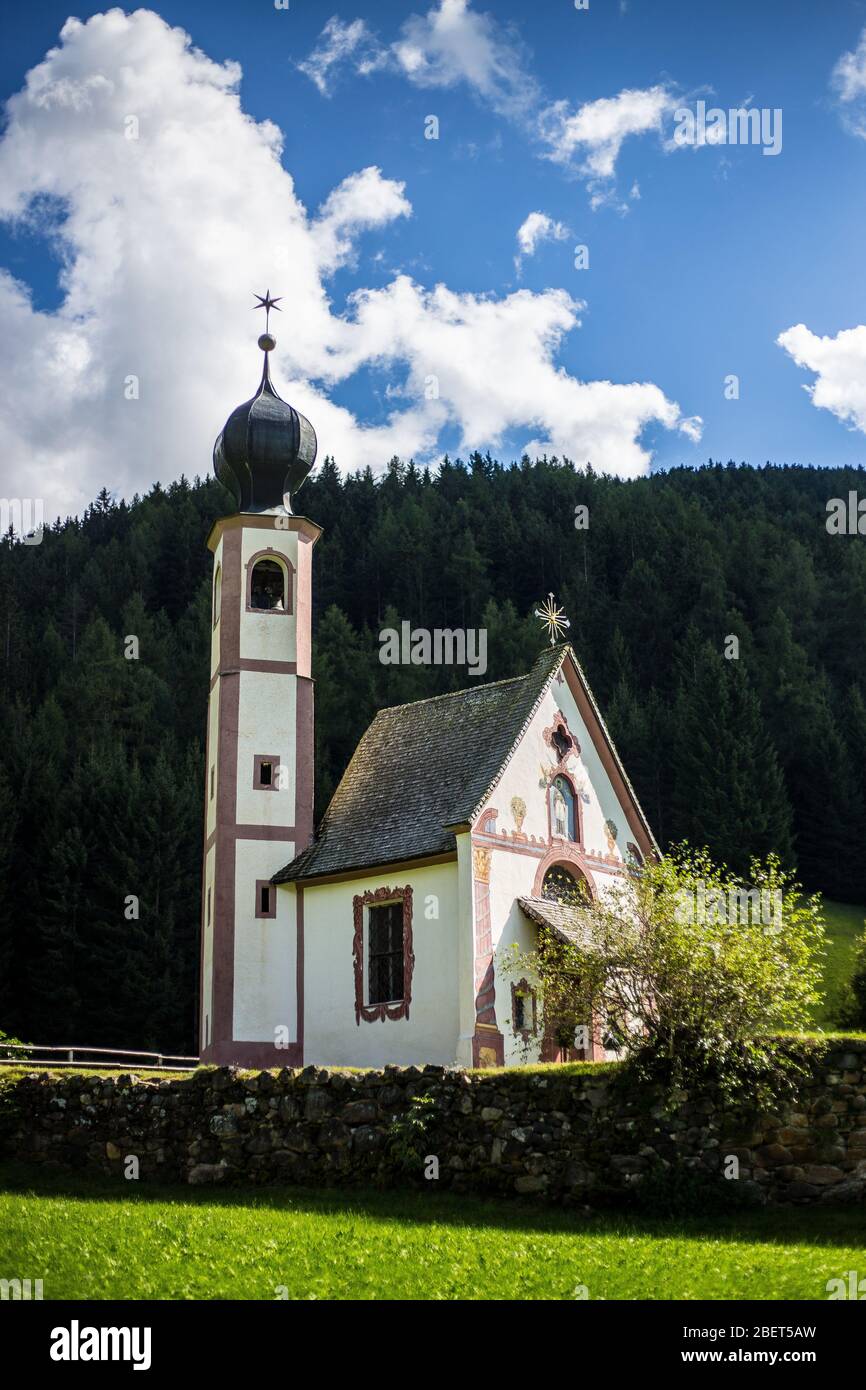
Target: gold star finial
x: 553, y: 618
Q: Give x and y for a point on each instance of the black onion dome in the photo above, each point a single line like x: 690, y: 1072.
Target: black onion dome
x: 266, y: 448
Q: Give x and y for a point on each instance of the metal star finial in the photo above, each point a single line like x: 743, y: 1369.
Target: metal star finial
x: 266, y: 303
x: 553, y: 618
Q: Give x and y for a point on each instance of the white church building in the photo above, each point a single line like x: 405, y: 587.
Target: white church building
x: 463, y: 823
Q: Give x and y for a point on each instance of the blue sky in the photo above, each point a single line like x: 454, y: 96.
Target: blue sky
x: 724, y: 249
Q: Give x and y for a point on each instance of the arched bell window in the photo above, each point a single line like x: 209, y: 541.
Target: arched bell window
x: 563, y: 820
x: 268, y: 588
x: 217, y: 594
x: 560, y: 886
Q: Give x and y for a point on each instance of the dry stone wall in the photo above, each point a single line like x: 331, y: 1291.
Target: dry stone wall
x: 560, y: 1136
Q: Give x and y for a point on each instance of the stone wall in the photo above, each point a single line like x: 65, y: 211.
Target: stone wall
x: 562, y: 1136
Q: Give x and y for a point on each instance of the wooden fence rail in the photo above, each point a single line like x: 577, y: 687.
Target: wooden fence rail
x: 75, y: 1057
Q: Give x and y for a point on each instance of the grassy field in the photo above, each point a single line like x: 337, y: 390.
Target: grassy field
x: 91, y: 1239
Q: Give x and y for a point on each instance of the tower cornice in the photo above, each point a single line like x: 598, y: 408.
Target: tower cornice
x: 263, y: 521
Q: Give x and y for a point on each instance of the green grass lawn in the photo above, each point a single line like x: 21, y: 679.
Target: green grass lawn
x: 98, y: 1239
x: 844, y: 925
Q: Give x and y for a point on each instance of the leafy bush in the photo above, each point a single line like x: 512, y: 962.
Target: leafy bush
x: 691, y: 971
x: 854, y: 1004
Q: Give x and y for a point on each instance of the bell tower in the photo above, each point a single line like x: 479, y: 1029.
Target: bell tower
x: 259, y: 775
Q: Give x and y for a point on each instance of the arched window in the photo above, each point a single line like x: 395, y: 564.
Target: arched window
x: 559, y: 886
x: 562, y: 812
x: 217, y: 594
x: 268, y: 586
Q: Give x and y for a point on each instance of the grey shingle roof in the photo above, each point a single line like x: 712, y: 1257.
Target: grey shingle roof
x: 418, y: 769
x: 569, y: 923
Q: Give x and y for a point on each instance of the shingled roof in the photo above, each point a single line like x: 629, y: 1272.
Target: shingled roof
x: 569, y: 923
x: 419, y: 769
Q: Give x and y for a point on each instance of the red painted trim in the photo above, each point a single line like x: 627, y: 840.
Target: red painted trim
x: 486, y: 1039
x: 265, y: 832
x: 560, y: 725
x: 304, y: 761
x: 251, y: 663
x: 299, y: 972
x: 399, y: 1008
x: 571, y: 859
x: 576, y: 802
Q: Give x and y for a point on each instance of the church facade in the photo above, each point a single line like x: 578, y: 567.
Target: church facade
x: 462, y: 825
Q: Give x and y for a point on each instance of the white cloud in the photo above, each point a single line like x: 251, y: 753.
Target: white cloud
x: 537, y: 227
x: 452, y: 45
x: 840, y: 367
x: 339, y: 45
x: 589, y: 139
x: 361, y: 202
x: 848, y: 82
x: 164, y: 237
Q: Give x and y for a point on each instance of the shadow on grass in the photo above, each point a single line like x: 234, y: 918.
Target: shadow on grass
x: 820, y: 1226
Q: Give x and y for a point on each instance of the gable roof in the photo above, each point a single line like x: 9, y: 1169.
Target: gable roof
x: 424, y: 768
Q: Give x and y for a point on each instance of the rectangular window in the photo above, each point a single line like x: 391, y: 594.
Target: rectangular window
x: 212, y: 774
x: 385, y: 953
x: 208, y: 906
x: 266, y: 898
x: 519, y: 1012
x: 266, y: 772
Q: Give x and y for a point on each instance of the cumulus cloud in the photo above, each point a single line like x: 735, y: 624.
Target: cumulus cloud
x: 164, y: 235
x: 848, y: 83
x: 840, y: 367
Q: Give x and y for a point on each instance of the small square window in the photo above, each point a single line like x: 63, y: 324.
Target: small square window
x: 266, y: 772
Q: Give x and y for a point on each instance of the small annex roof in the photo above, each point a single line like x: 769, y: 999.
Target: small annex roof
x: 423, y: 769
x: 567, y: 923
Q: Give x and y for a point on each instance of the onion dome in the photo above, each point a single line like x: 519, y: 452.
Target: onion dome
x: 266, y: 448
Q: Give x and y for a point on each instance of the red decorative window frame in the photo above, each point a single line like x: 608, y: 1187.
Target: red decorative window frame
x: 578, y: 810
x: 560, y: 727
x: 524, y: 988
x: 399, y: 1008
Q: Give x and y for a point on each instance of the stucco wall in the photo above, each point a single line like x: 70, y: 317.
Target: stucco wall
x: 331, y: 1034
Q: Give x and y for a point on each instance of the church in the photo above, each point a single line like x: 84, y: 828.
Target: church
x: 463, y: 823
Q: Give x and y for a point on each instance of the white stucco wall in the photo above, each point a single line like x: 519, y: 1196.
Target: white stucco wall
x: 331, y: 1035
x: 266, y: 724
x: 265, y: 995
